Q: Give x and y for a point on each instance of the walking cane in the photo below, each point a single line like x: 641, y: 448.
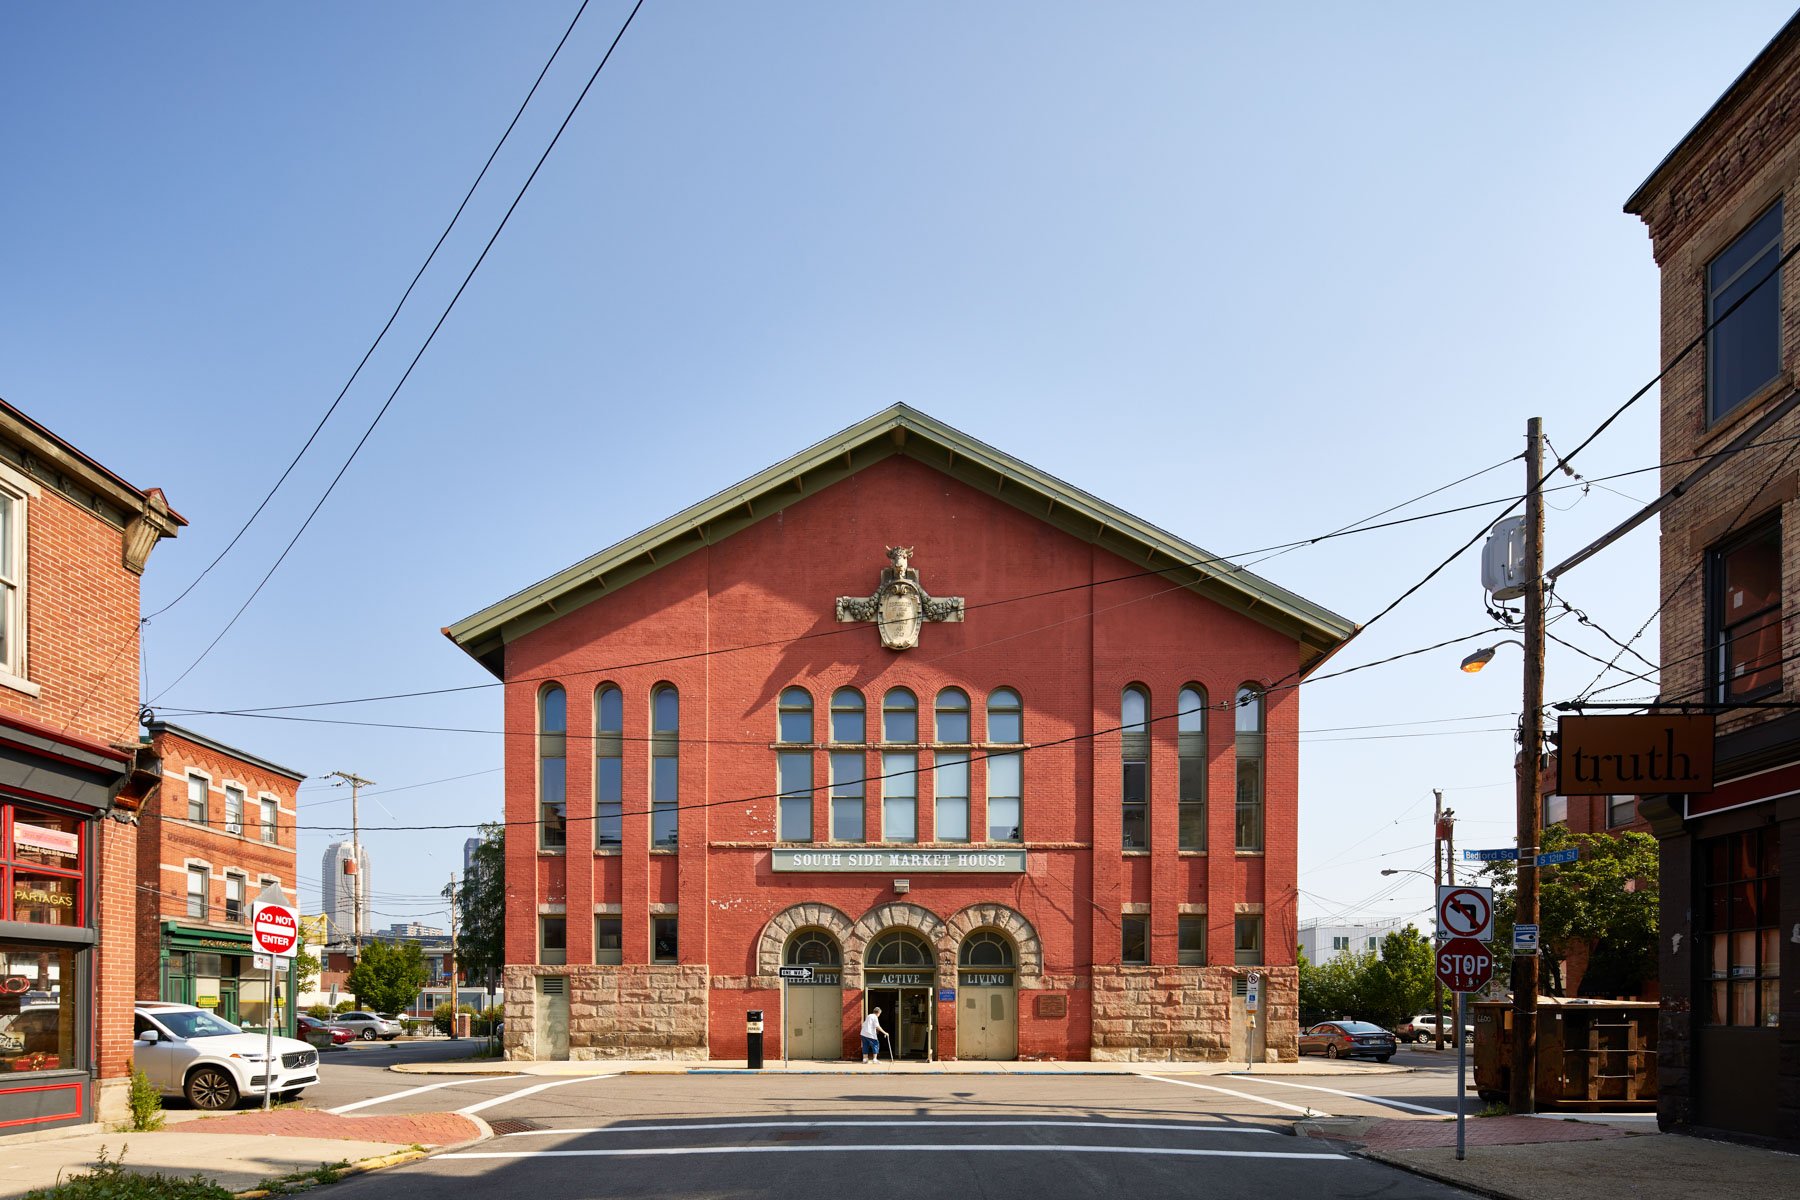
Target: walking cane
x: 890, y: 1046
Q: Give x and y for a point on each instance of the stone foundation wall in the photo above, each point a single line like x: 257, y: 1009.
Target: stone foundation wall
x: 632, y: 1012
x: 1181, y: 1014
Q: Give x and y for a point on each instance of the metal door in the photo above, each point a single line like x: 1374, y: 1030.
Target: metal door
x: 550, y: 1029
x: 815, y: 1023
x: 987, y: 1025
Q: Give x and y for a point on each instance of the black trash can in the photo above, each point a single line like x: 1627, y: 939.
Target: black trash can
x: 753, y: 1035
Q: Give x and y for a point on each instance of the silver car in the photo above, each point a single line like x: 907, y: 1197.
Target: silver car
x: 191, y: 1052
x: 368, y: 1026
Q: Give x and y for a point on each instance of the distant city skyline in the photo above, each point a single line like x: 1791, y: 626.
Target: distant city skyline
x: 340, y: 891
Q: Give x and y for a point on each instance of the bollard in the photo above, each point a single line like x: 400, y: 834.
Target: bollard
x: 753, y: 1036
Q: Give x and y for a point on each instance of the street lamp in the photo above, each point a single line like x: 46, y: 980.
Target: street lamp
x: 1482, y: 657
x: 1404, y: 871
x: 1437, y: 935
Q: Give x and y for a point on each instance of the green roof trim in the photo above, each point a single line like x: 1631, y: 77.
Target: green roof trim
x: 907, y: 431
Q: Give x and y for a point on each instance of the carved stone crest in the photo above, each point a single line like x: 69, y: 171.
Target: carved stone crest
x: 900, y: 606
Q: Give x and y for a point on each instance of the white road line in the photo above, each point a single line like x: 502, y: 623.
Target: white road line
x: 964, y: 1124
x: 879, y: 1148
x: 430, y: 1087
x: 523, y: 1092
x: 1207, y: 1087
x: 1313, y: 1087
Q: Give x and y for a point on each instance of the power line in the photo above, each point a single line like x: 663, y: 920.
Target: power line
x: 389, y: 324
x: 407, y: 374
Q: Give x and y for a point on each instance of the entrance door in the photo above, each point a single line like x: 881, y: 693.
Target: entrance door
x: 987, y: 1023
x: 550, y: 1028
x: 228, y: 1000
x: 815, y: 1022
x: 906, y: 1014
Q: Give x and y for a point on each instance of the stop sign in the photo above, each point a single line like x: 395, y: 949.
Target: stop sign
x: 1464, y: 965
x: 275, y: 929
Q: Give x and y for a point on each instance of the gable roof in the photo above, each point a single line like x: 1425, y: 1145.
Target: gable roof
x: 905, y: 431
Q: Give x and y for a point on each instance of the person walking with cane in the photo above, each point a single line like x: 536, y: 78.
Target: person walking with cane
x: 871, y: 1030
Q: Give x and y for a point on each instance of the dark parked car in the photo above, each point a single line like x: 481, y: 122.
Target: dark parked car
x: 338, y: 1035
x: 1348, y: 1039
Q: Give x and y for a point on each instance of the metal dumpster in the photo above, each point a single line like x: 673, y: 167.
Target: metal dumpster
x: 1593, y: 1055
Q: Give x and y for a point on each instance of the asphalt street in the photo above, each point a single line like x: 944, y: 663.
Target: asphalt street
x: 880, y: 1135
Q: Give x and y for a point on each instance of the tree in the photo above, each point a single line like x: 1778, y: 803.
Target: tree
x: 305, y: 970
x: 481, y: 907
x: 1400, y: 981
x: 1607, y: 899
x: 388, y: 976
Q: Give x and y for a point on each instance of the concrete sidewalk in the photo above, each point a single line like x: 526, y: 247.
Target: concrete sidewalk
x: 241, y: 1150
x: 491, y: 1066
x: 1556, y: 1158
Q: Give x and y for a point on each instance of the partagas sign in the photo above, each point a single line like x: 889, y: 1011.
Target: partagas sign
x: 1605, y: 756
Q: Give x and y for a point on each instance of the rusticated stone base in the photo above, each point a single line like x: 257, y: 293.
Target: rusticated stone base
x: 631, y: 1012
x: 1185, y: 1014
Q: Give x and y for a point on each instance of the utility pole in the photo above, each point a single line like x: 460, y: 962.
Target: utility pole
x: 1437, y: 884
x: 1456, y: 1036
x: 452, y: 963
x: 1531, y: 741
x: 356, y: 783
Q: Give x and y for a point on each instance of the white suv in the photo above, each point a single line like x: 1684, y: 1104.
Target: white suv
x: 1422, y: 1029
x: 188, y: 1051
x: 368, y: 1025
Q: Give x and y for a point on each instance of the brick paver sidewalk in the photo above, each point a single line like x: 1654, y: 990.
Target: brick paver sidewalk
x: 426, y: 1129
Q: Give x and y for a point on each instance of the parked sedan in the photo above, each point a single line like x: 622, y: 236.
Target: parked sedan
x: 188, y: 1051
x: 335, y: 1034
x: 368, y: 1026
x: 1348, y: 1039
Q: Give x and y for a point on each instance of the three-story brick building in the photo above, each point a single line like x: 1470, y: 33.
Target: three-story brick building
x: 971, y: 745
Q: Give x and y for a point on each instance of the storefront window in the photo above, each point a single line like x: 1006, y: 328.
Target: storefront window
x: 37, y: 1008
x: 1743, y: 918
x: 40, y: 866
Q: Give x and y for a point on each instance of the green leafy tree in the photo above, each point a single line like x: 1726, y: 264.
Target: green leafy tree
x: 1399, y: 982
x: 1607, y: 898
x: 481, y: 908
x: 388, y: 976
x: 305, y: 969
x: 1336, y: 988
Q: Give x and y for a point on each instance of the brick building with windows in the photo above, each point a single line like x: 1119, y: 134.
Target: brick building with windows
x: 74, y: 539
x: 976, y: 747
x: 1716, y: 209
x: 220, y: 830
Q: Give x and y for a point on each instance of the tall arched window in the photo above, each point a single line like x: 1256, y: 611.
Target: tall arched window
x: 953, y: 717
x: 1250, y: 742
x: 794, y: 768
x: 812, y: 948
x: 899, y: 716
x: 609, y: 765
x: 900, y: 948
x: 665, y: 767
x: 553, y: 768
x: 1005, y: 772
x: 1134, y: 750
x: 1190, y: 751
x: 847, y: 723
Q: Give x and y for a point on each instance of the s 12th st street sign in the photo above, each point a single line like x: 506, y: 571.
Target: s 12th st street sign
x: 1605, y: 756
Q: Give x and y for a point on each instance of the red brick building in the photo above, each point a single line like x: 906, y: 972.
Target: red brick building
x: 219, y: 831
x: 1716, y: 208
x: 74, y: 539
x: 1026, y: 780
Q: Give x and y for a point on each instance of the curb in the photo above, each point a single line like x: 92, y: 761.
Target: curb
x: 1422, y: 1173
x: 363, y: 1166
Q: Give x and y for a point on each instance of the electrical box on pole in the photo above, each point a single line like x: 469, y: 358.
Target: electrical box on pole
x: 1503, y: 559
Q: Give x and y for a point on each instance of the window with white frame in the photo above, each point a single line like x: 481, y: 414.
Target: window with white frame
x: 197, y: 787
x: 12, y: 582
x: 234, y: 899
x: 234, y: 810
x: 270, y: 809
x: 196, y: 892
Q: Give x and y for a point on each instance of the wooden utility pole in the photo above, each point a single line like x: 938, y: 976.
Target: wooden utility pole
x: 1437, y: 883
x: 452, y: 963
x: 356, y: 783
x: 1531, y: 741
x: 1456, y: 1028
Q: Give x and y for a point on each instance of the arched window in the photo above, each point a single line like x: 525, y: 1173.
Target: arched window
x: 953, y: 717
x: 1005, y: 718
x: 553, y: 768
x: 899, y: 948
x: 1190, y: 751
x: 847, y: 723
x: 665, y: 767
x: 609, y: 765
x: 1134, y: 750
x: 985, y: 948
x: 899, y: 716
x: 795, y: 716
x: 812, y: 948
x: 1250, y: 743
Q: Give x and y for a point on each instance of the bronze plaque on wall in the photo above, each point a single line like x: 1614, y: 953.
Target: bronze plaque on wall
x: 1606, y: 756
x: 1052, y: 1006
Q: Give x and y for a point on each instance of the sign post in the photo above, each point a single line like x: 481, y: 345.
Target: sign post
x: 274, y: 931
x: 1252, y: 1002
x: 1465, y: 966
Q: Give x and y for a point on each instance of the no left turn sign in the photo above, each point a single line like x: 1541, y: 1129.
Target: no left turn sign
x: 1466, y: 912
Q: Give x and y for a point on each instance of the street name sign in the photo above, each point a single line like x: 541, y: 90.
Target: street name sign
x: 1558, y: 856
x: 275, y: 930
x: 1466, y: 912
x: 1506, y: 855
x: 1464, y: 965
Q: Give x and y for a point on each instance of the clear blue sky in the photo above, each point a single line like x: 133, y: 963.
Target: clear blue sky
x: 1248, y: 272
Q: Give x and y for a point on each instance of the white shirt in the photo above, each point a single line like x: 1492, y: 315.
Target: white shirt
x: 872, y: 1025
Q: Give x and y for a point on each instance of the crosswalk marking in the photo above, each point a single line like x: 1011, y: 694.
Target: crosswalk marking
x: 524, y: 1092
x: 899, y: 1148
x: 1207, y: 1087
x: 429, y: 1087
x: 981, y: 1124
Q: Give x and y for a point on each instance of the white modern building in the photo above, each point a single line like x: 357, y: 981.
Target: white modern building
x: 344, y: 887
x: 1322, y: 941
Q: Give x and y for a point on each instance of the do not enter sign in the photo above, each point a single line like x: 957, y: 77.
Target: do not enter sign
x: 1464, y: 965
x: 275, y: 929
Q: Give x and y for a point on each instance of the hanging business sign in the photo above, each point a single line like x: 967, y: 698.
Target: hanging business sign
x: 1656, y: 752
x: 987, y: 862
